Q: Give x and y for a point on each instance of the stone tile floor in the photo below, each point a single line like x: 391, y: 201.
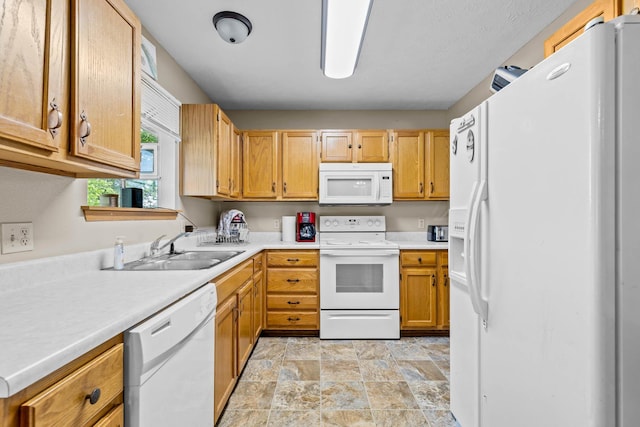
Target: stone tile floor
x: 311, y: 382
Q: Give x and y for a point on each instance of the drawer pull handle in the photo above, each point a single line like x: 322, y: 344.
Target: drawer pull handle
x: 420, y: 260
x: 293, y: 302
x: 293, y: 259
x: 94, y: 396
x: 293, y: 280
x: 85, y: 128
x: 293, y: 319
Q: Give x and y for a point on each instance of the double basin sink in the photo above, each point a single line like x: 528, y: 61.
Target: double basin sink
x: 191, y: 260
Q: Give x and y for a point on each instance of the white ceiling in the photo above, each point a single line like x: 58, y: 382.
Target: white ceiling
x: 417, y: 54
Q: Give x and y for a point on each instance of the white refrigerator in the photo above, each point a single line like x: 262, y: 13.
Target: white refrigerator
x: 544, y: 242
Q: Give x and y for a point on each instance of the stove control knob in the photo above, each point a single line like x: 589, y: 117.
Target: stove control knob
x: 327, y: 223
x: 377, y: 223
x: 335, y: 222
x: 369, y: 223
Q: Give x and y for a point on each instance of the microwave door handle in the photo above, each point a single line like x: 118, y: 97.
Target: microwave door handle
x: 356, y: 253
x: 377, y: 181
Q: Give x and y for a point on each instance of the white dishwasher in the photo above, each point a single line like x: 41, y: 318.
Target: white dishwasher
x: 169, y: 364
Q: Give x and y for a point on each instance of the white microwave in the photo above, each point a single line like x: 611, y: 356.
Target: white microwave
x: 356, y: 184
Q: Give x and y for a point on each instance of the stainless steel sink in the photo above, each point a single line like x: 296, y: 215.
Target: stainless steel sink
x: 192, y: 260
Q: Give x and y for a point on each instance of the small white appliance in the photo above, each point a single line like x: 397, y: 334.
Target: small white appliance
x: 356, y: 184
x: 544, y: 240
x: 359, y: 279
x: 169, y: 364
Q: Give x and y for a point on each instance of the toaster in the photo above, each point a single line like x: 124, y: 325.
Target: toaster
x: 438, y: 233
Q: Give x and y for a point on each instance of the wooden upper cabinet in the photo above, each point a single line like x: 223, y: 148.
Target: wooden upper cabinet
x: 437, y: 148
x: 33, y: 75
x: 608, y: 9
x: 260, y: 164
x: 224, y: 144
x: 299, y: 164
x: 70, y: 69
x: 105, y: 90
x: 408, y: 165
x: 355, y: 146
x: 337, y: 146
x: 209, y: 152
x: 372, y: 146
x: 236, y: 164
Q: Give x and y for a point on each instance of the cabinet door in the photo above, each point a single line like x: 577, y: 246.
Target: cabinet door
x: 608, y: 9
x: 236, y: 163
x: 225, y: 350
x: 105, y: 85
x: 258, y: 305
x: 438, y: 164
x: 443, y: 298
x: 245, y: 319
x: 299, y: 165
x: 372, y: 146
x: 260, y: 165
x: 197, y: 150
x: 337, y: 146
x: 418, y: 293
x: 224, y: 144
x: 408, y: 165
x: 34, y: 73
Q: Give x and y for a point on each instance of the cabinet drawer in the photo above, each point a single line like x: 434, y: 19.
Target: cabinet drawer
x: 418, y: 259
x: 292, y: 302
x: 66, y: 403
x: 292, y: 319
x: 292, y: 280
x: 229, y: 282
x: 115, y: 418
x: 292, y: 259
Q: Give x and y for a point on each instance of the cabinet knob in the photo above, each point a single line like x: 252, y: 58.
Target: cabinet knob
x: 293, y: 319
x: 273, y: 187
x: 431, y: 183
x: 284, y: 187
x: 85, y: 128
x: 293, y: 280
x: 54, y: 119
x: 421, y: 188
x: 446, y: 280
x: 420, y: 260
x: 293, y: 259
x: 293, y: 302
x: 94, y: 396
x: 433, y: 280
x: 359, y: 145
x: 349, y: 145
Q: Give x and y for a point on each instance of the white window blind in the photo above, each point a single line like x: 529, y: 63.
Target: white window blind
x: 159, y: 108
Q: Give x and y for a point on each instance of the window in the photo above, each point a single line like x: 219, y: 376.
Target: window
x: 159, y: 139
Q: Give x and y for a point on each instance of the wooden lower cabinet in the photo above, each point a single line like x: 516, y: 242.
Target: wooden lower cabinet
x: 292, y: 299
x: 62, y: 398
x: 225, y: 353
x: 424, y: 290
x: 239, y: 319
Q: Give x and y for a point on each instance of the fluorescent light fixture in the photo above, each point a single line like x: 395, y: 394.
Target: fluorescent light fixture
x: 343, y: 26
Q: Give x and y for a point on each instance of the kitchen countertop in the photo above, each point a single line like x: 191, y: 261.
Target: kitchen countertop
x: 53, y: 310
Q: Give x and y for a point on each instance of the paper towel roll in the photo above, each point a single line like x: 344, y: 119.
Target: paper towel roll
x: 288, y: 228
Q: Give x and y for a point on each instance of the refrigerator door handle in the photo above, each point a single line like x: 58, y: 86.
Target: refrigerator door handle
x: 480, y: 305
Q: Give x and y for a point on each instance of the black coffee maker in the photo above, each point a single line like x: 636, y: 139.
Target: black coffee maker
x: 306, y: 227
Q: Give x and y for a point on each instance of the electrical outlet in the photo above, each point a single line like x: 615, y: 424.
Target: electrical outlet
x: 276, y: 224
x: 17, y: 237
x: 421, y: 223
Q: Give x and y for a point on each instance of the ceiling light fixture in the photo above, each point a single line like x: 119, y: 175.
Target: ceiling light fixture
x: 343, y: 27
x: 232, y: 27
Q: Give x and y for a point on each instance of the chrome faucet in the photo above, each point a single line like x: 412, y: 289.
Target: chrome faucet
x: 155, y: 245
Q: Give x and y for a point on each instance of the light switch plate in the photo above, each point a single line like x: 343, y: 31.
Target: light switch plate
x: 17, y: 237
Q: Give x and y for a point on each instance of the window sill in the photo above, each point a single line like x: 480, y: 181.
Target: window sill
x: 107, y: 213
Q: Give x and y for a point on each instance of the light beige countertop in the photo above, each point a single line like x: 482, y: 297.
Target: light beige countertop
x: 53, y: 310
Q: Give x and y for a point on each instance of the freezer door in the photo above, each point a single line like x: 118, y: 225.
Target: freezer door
x: 547, y: 355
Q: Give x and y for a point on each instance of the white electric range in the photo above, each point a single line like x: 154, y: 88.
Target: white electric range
x: 359, y: 279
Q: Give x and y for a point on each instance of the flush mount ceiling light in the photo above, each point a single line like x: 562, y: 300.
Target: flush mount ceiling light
x: 343, y: 27
x: 232, y: 27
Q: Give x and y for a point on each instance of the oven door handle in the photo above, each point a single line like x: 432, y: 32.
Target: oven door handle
x: 360, y: 253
